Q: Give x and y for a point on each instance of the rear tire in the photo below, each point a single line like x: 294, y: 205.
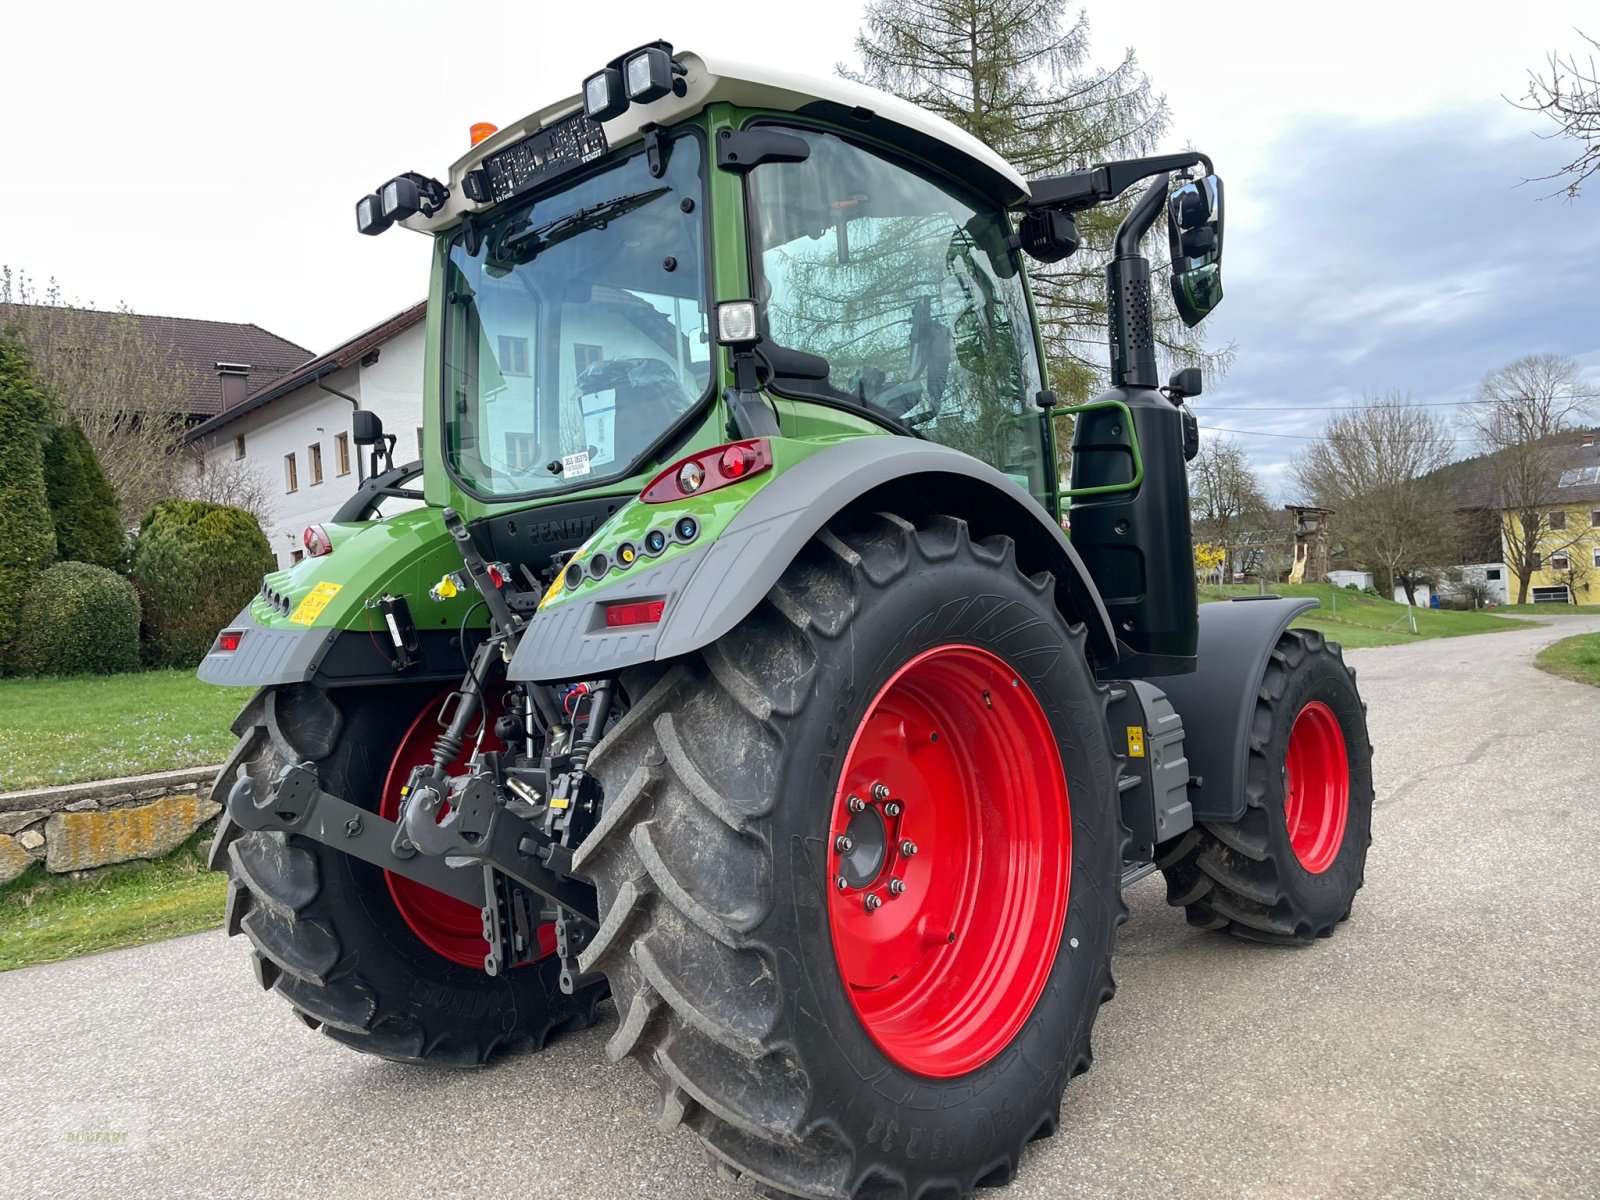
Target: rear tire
x: 1288, y: 870
x: 325, y: 930
x: 717, y: 869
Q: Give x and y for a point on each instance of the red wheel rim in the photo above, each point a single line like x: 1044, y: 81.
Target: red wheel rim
x: 447, y: 926
x: 1316, y: 780
x: 955, y: 756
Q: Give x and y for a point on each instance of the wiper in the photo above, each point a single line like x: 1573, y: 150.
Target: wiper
x: 526, y: 244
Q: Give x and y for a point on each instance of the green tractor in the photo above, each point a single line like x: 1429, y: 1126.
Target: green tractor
x: 732, y: 661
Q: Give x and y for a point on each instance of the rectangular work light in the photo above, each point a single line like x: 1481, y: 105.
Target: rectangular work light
x: 649, y: 75
x: 603, y: 97
x: 369, y: 216
x: 737, y: 324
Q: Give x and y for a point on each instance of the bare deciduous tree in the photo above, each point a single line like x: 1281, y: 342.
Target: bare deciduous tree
x: 1373, y: 466
x: 122, y: 387
x: 1519, y: 415
x: 224, y: 480
x: 1225, y: 496
x: 1569, y: 95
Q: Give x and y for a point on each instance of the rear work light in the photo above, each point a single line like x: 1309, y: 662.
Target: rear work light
x: 709, y: 470
x: 228, y: 640
x: 634, y: 612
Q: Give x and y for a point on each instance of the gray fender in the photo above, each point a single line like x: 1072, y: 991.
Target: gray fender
x: 712, y: 588
x: 1218, y: 700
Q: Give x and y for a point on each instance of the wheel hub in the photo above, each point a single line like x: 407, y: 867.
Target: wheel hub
x: 868, y: 841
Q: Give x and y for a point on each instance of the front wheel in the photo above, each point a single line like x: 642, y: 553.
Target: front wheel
x: 1289, y: 868
x: 857, y: 869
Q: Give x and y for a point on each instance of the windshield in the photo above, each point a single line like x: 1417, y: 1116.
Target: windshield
x: 575, y: 334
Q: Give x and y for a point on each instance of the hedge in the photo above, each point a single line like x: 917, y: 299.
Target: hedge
x: 196, y: 564
x: 77, y: 619
x: 83, y: 505
x: 27, y: 536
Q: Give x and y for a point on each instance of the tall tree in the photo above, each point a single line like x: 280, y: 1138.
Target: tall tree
x: 1017, y: 76
x: 1226, y: 498
x: 27, y: 536
x: 118, y: 384
x: 1520, y: 414
x: 1568, y: 93
x: 1374, y: 466
x: 88, y: 523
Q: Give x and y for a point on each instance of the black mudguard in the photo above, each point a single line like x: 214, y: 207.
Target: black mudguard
x: 711, y: 590
x: 1218, y: 699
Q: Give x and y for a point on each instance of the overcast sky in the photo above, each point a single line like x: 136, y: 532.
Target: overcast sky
x: 203, y: 160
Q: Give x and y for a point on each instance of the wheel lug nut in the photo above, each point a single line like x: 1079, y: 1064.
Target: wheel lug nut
x: 856, y: 803
x: 880, y: 791
x: 897, y: 886
x: 892, y: 809
x: 843, y: 844
x: 842, y: 883
x: 873, y: 901
x: 908, y: 848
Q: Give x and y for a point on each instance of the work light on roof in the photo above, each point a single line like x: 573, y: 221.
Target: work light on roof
x: 649, y: 74
x: 369, y: 215
x: 603, y: 97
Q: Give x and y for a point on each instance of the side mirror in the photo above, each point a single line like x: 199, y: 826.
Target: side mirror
x: 366, y: 427
x: 1049, y: 235
x: 1194, y: 233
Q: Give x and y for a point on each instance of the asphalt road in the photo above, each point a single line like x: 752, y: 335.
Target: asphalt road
x: 1446, y: 1042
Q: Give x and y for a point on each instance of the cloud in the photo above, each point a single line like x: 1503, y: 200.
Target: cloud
x: 1400, y: 256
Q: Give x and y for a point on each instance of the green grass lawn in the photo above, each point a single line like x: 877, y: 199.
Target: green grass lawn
x: 1551, y: 610
x: 44, y: 918
x: 1574, y: 658
x: 1355, y: 620
x: 70, y: 730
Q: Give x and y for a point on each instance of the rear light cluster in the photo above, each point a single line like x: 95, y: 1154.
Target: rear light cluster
x: 317, y: 541
x: 709, y: 470
x: 228, y: 640
x: 634, y: 612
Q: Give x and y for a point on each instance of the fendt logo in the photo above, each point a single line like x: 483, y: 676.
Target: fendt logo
x: 573, y: 529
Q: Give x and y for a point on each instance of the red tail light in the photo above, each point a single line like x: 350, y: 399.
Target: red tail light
x: 228, y: 640
x: 709, y: 470
x: 317, y: 541
x: 634, y: 612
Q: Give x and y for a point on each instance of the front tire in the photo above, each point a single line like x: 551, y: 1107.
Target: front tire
x: 1288, y: 870
x: 803, y: 1039
x: 366, y: 958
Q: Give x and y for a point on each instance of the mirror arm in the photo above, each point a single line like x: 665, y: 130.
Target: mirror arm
x: 1141, y: 218
x: 1103, y: 182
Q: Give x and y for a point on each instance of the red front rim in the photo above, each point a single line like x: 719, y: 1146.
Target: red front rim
x: 444, y: 924
x: 1316, y: 780
x: 948, y: 898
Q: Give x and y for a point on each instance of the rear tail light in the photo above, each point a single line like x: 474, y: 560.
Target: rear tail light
x: 709, y: 470
x: 317, y: 541
x: 228, y: 640
x: 634, y: 612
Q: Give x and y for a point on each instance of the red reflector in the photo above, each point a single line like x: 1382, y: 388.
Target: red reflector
x: 317, y: 541
x: 709, y: 470
x: 228, y: 640
x: 634, y: 612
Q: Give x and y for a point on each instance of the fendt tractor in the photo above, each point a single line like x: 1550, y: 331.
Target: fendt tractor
x: 731, y: 660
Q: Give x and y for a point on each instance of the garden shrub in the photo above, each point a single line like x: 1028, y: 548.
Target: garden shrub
x: 27, y: 537
x: 196, y: 565
x: 84, y: 507
x: 77, y: 619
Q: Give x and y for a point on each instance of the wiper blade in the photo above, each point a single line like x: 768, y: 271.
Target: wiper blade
x: 525, y: 244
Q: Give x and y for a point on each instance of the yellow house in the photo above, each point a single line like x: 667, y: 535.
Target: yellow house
x: 1566, y: 565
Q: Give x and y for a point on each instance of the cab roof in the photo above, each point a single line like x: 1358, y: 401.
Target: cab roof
x: 717, y: 80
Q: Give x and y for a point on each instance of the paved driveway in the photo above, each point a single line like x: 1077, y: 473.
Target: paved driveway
x: 1446, y: 1042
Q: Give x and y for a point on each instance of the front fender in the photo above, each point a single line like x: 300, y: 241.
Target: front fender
x: 710, y: 589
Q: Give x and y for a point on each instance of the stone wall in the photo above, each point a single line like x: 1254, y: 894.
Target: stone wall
x: 83, y: 825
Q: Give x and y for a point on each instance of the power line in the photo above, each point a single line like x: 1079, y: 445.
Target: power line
x: 1367, y: 407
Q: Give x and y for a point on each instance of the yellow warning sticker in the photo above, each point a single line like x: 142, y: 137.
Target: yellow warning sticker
x: 1135, y: 741
x: 309, y: 609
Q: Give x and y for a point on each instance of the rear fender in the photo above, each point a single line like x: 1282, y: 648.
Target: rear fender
x: 1217, y: 701
x: 712, y: 588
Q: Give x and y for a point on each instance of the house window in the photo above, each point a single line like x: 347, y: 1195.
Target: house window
x: 1558, y: 519
x: 296, y: 556
x: 1559, y: 561
x: 419, y: 441
x: 1594, y: 518
x: 238, y: 452
x: 341, y: 449
x: 291, y: 479
x: 513, y: 355
x: 314, y: 453
x: 1597, y: 556
x: 586, y: 356
x: 1493, y: 574
x: 519, y: 451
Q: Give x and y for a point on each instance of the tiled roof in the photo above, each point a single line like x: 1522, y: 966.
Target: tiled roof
x: 1471, y: 481
x: 342, y: 355
x: 199, y: 345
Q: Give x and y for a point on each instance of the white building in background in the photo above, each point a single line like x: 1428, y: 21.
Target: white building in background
x: 292, y: 432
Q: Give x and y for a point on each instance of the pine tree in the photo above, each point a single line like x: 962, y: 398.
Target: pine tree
x: 83, y: 506
x: 1011, y: 74
x: 27, y: 537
